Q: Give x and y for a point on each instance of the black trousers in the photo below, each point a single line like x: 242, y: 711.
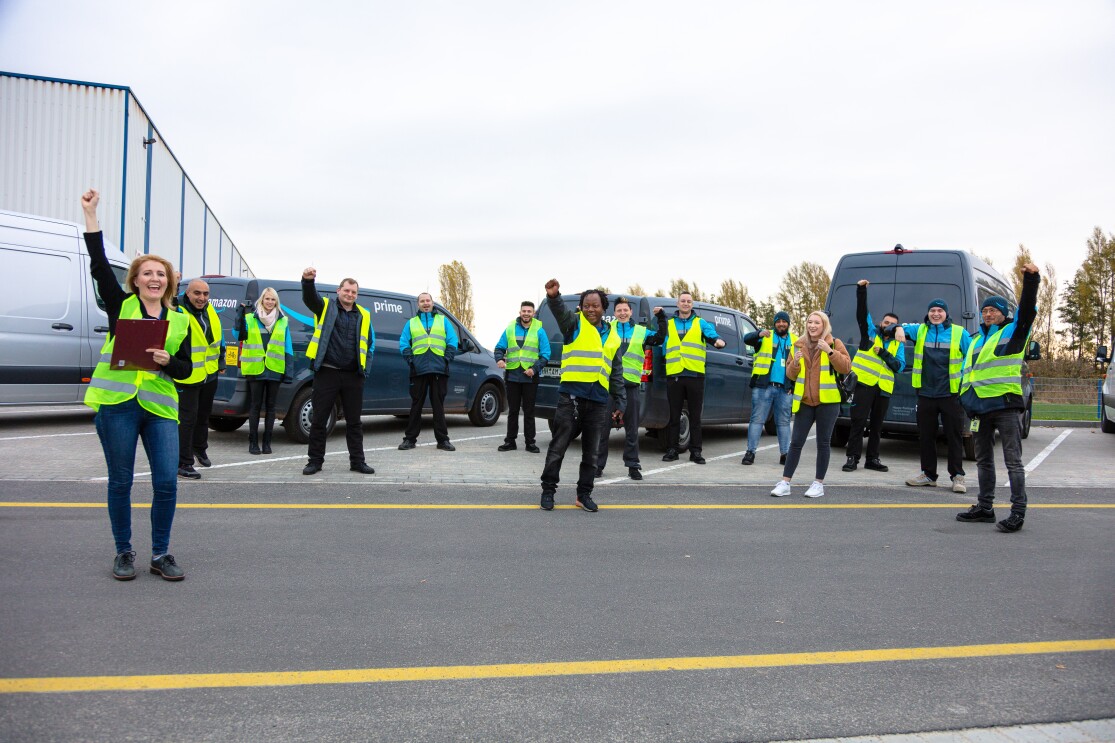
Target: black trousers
x: 195, y: 403
x: 328, y: 385
x: 435, y: 386
x: 678, y: 391
x: 630, y: 428
x: 868, y: 404
x: 521, y: 394
x: 952, y: 418
x: 592, y: 417
x: 263, y: 393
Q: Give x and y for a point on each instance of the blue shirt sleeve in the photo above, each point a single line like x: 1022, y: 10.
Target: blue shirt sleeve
x: 911, y: 330
x: 965, y: 339
x: 371, y: 340
x: 708, y: 330
x: 870, y: 328
x: 451, y: 337
x: 901, y: 356
x: 502, y: 342
x: 543, y: 345
x: 404, y: 339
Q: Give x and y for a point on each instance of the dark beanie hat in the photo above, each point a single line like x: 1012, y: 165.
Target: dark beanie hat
x: 782, y: 315
x: 938, y: 303
x: 998, y: 303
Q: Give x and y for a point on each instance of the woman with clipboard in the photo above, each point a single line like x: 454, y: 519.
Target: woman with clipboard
x: 133, y: 405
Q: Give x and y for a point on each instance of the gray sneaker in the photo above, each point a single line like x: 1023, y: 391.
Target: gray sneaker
x: 958, y: 485
x: 920, y: 479
x: 167, y: 568
x: 123, y: 567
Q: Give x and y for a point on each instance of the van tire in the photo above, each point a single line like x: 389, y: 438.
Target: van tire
x: 225, y: 425
x: 487, y: 406
x: 297, y: 421
x: 969, y: 447
x: 1105, y: 425
x: 1025, y: 418
x: 683, y: 433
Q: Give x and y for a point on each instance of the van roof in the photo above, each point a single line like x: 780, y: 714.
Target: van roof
x: 287, y: 284
x: 909, y: 257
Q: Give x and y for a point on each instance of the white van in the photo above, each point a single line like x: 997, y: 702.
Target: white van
x: 52, y: 321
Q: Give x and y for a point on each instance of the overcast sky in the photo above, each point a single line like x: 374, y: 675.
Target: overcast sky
x: 611, y: 143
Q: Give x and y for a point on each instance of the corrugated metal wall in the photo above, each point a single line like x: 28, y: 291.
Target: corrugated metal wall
x: 59, y: 138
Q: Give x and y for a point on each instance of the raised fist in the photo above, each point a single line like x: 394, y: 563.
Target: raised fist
x: 553, y: 288
x: 309, y: 273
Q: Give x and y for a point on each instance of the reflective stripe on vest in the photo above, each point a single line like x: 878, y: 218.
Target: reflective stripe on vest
x: 871, y: 370
x: 686, y: 353
x: 955, y: 359
x: 365, y: 326
x: 155, y: 391
x: 586, y: 358
x: 204, y: 356
x: 422, y: 341
x: 991, y: 375
x: 254, y: 358
x: 765, y: 357
x: 525, y: 355
x: 827, y: 391
x: 633, y: 357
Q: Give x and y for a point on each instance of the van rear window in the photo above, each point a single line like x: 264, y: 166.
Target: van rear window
x: 908, y: 301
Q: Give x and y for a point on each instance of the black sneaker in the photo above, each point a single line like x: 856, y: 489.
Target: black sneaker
x: 508, y: 446
x: 167, y: 568
x: 696, y: 459
x: 532, y: 448
x: 850, y: 465
x: 670, y: 456
x: 748, y: 458
x: 311, y: 469
x: 446, y: 446
x: 598, y: 474
x: 1010, y: 524
x: 407, y: 444
x: 203, y: 460
x: 547, y: 503
x: 875, y: 464
x: 123, y: 567
x: 634, y: 473
x: 363, y: 468
x: 782, y: 459
x: 586, y: 503
x: 189, y: 473
x: 975, y: 514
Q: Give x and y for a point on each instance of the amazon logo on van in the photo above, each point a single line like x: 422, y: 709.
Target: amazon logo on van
x: 223, y: 303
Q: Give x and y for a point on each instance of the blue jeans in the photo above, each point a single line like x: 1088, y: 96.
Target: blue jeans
x: 119, y: 428
x: 762, y: 400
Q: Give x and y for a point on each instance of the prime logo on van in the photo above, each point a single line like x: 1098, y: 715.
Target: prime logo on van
x: 387, y: 307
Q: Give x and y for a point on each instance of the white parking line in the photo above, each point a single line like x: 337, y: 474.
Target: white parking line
x: 1033, y: 465
x: 614, y: 480
x: 48, y: 436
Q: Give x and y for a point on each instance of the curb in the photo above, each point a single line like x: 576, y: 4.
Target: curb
x: 1065, y: 424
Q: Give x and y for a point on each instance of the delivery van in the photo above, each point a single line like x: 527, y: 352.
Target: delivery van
x: 52, y: 321
x: 904, y: 282
x: 475, y: 382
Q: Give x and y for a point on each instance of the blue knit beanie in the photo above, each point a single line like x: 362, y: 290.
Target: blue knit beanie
x: 780, y: 315
x: 938, y: 303
x: 998, y: 303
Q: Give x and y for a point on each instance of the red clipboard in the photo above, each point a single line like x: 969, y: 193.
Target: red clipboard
x: 132, y: 339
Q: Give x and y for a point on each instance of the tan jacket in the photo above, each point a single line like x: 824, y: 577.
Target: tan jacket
x: 839, y: 360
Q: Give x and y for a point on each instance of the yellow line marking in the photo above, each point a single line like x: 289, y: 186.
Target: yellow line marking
x: 532, y: 670
x: 528, y: 506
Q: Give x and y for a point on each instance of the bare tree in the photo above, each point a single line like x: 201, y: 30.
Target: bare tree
x: 637, y: 290
x: 733, y: 294
x: 1021, y: 258
x: 456, y: 292
x: 677, y: 286
x: 804, y: 289
x: 1047, y: 303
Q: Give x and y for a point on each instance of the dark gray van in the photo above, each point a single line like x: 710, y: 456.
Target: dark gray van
x: 727, y: 370
x: 904, y: 282
x: 475, y: 382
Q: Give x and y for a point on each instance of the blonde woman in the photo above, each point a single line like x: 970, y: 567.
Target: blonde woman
x: 266, y: 361
x: 817, y: 358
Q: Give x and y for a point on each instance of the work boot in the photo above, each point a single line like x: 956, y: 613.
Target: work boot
x: 166, y: 567
x: 585, y: 502
x: 532, y: 449
x: 875, y: 464
x: 748, y: 457
x: 634, y: 473
x: 507, y: 446
x: 976, y: 514
x: 670, y: 456
x: 547, y: 503
x: 850, y: 465
x: 253, y: 443
x: 269, y: 426
x: 1010, y: 524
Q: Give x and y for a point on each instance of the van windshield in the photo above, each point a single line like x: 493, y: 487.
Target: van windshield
x: 907, y: 300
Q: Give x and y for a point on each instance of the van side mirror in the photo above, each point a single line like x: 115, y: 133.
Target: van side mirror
x: 467, y: 346
x: 1033, y: 352
x: 1101, y: 354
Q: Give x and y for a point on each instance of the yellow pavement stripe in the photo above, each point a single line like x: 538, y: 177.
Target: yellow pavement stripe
x: 529, y: 506
x: 531, y: 670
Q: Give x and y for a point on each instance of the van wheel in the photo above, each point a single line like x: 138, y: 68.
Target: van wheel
x: 1025, y: 418
x: 1105, y: 425
x: 225, y: 425
x: 301, y: 415
x: 684, y: 434
x: 840, y: 436
x: 970, y: 448
x: 485, y: 411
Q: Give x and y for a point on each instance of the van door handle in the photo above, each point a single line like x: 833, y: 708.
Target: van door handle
x: 100, y: 329
x: 739, y: 362
x: 61, y: 326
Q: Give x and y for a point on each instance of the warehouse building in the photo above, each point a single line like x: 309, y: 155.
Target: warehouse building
x: 59, y: 138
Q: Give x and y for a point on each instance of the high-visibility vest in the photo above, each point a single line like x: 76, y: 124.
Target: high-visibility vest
x: 991, y: 375
x: 765, y: 357
x: 154, y: 389
x: 956, y: 361
x: 365, y: 327
x: 204, y: 356
x: 828, y: 391
x: 686, y: 353
x: 254, y: 358
x: 633, y: 357
x: 422, y: 341
x: 871, y: 370
x: 586, y: 358
x: 525, y: 355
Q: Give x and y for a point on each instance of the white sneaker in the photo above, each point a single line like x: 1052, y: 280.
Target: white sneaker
x: 920, y: 479
x: 816, y: 490
x: 958, y: 485
x: 781, y: 489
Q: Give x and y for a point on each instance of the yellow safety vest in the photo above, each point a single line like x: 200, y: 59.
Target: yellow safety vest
x: 828, y: 391
x: 254, y: 358
x: 365, y: 327
x: 686, y: 353
x: 765, y: 357
x: 525, y: 355
x: 955, y: 359
x: 634, y: 356
x: 204, y: 356
x: 421, y: 341
x: 871, y: 370
x: 586, y: 358
x: 154, y: 389
x: 991, y: 375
